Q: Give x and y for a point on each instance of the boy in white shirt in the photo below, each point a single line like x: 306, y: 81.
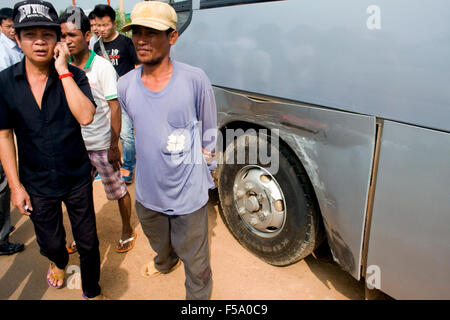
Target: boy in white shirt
x: 101, y: 137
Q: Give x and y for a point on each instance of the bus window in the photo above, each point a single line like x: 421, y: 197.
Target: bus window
x: 205, y: 4
x: 184, y: 13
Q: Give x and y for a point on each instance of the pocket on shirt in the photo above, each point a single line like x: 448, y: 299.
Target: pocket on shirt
x: 178, y: 140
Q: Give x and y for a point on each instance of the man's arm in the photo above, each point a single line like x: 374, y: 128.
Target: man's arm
x: 207, y: 115
x: 108, y: 84
x: 81, y: 107
x: 116, y: 124
x: 19, y: 196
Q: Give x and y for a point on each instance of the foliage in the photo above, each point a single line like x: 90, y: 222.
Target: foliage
x: 122, y: 21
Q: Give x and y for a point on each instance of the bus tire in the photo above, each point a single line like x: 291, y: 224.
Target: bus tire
x: 302, y: 230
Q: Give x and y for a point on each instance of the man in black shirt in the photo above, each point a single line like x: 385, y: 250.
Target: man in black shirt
x: 119, y: 49
x: 44, y: 101
x: 6, y: 247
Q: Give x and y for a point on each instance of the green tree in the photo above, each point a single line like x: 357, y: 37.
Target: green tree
x: 122, y: 21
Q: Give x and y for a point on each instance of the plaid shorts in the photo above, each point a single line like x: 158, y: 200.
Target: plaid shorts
x: 113, y: 183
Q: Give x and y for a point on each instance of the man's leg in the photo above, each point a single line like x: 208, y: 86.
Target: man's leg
x: 189, y: 236
x: 6, y: 248
x: 5, y: 221
x: 128, y: 145
x: 80, y: 207
x: 157, y: 229
x: 115, y: 189
x: 48, y: 224
x: 125, y: 214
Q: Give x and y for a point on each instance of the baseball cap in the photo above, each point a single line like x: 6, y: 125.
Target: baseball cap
x: 34, y: 13
x: 153, y: 14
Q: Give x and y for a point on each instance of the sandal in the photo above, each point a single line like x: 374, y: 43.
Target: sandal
x: 121, y: 246
x: 72, y: 248
x: 55, y: 276
x: 149, y: 270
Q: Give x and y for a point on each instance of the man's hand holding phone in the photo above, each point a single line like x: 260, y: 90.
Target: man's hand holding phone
x: 21, y: 200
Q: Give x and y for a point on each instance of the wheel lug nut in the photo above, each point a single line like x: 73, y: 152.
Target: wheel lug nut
x: 240, y: 194
x: 249, y: 186
x: 279, y: 205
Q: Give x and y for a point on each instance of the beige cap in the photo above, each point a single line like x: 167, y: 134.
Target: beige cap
x: 153, y: 14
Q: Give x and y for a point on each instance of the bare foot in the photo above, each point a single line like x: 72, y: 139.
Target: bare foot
x: 126, y: 244
x: 56, y: 275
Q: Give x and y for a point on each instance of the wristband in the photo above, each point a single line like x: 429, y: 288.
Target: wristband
x: 65, y: 75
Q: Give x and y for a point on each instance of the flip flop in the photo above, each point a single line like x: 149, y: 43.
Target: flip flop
x: 72, y: 248
x: 122, y: 242
x: 149, y: 270
x: 61, y: 277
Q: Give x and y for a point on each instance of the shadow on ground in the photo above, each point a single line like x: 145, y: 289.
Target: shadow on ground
x: 109, y: 230
x: 324, y: 268
x: 22, y: 273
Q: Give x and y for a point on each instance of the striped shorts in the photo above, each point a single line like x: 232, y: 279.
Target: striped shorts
x: 113, y: 183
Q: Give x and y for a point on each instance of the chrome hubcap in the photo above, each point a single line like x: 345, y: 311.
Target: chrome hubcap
x: 259, y: 201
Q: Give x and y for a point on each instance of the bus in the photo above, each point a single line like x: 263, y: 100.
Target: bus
x: 358, y: 94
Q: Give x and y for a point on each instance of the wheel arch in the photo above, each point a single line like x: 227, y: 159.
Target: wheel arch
x: 245, y: 125
x: 335, y: 148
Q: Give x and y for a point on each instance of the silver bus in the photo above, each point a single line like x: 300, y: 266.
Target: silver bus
x: 358, y: 93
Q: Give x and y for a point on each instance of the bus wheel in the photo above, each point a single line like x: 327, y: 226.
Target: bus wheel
x: 272, y: 214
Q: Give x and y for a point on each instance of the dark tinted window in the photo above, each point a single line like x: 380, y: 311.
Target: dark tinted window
x: 205, y: 4
x: 184, y: 12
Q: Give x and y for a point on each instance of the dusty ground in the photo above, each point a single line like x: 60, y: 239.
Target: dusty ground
x: 237, y: 274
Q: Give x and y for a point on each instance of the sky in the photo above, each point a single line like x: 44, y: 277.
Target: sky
x: 85, y: 4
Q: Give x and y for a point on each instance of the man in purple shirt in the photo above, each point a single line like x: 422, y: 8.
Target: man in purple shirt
x: 172, y: 108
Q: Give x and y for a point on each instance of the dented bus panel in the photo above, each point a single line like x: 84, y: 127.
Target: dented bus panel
x: 358, y: 90
x: 335, y: 148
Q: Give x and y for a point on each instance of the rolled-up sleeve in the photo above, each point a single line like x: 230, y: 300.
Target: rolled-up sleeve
x: 108, y: 81
x: 82, y: 82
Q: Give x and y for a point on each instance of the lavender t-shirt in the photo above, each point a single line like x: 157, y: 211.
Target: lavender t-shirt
x: 172, y: 126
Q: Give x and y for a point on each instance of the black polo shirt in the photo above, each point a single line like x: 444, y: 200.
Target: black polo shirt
x: 52, y: 156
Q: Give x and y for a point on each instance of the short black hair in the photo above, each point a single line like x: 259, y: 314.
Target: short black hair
x: 91, y: 15
x: 6, y: 13
x: 76, y: 14
x: 103, y: 10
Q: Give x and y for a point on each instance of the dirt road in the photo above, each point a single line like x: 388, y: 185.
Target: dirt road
x: 237, y: 274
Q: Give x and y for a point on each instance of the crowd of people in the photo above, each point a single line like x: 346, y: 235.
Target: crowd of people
x: 71, y: 88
